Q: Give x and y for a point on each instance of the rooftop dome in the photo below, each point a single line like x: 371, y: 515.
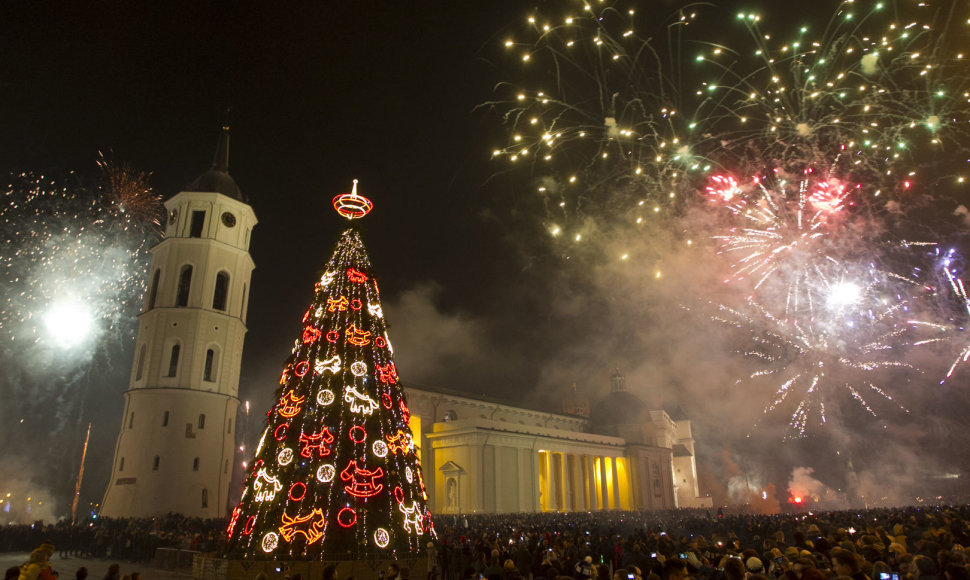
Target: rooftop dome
x: 217, y: 178
x: 614, y: 412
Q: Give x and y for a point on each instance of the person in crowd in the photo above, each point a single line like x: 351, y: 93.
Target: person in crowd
x: 38, y: 566
x: 674, y: 569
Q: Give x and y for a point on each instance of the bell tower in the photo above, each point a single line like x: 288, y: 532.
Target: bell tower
x: 175, y: 449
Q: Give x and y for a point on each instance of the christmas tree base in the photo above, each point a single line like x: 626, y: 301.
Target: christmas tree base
x: 211, y: 568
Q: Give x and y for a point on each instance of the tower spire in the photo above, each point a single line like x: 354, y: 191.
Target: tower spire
x: 220, y: 162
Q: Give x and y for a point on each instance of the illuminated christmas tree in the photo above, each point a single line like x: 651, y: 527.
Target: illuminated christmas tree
x: 335, y: 474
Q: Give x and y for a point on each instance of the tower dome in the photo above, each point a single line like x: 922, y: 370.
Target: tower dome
x: 619, y: 413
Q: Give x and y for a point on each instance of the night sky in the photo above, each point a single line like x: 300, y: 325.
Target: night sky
x: 389, y: 93
x: 319, y: 94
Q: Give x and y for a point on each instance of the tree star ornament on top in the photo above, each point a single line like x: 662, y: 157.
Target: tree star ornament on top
x: 352, y: 206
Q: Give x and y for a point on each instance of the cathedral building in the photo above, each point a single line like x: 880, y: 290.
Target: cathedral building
x: 175, y: 451
x: 480, y: 456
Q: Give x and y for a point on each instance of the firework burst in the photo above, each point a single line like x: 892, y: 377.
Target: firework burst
x: 618, y: 126
x: 77, y: 263
x: 791, y: 241
x: 815, y: 361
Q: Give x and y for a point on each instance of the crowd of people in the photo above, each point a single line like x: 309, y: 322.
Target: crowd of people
x: 883, y: 544
x: 928, y: 543
x: 132, y: 539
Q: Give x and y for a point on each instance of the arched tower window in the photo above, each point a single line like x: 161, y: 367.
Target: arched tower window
x: 185, y: 283
x: 156, y: 462
x: 153, y: 292
x: 165, y: 419
x: 208, y: 373
x: 195, y: 464
x: 173, y: 361
x: 121, y: 464
x: 242, y: 311
x: 221, y: 292
x: 141, y: 362
x: 202, y: 421
x: 205, y: 497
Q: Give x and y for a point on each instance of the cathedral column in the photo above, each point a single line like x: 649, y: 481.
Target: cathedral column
x: 576, y: 472
x: 604, y: 487
x: 567, y: 485
x: 590, y: 482
x: 616, y: 484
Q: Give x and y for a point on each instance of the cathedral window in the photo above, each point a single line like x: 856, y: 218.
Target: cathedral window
x: 121, y: 464
x: 155, y: 464
x: 173, y: 361
x: 229, y: 429
x: 221, y: 292
x: 207, y: 372
x: 131, y: 419
x: 165, y: 419
x: 185, y: 283
x: 202, y: 421
x: 153, y: 292
x: 195, y: 464
x: 205, y: 498
x: 198, y: 220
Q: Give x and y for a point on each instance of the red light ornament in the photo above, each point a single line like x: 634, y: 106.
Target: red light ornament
x: 352, y: 206
x: 280, y: 432
x: 357, y: 434
x: 346, y: 517
x: 232, y: 522
x: 297, y: 491
x: 386, y: 373
x: 332, y: 336
x: 356, y: 276
x: 311, y: 334
x: 361, y: 482
x: 250, y: 524
x: 301, y: 368
x: 356, y: 304
x: 320, y: 441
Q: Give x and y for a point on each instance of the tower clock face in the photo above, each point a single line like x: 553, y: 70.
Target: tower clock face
x: 228, y: 219
x: 172, y: 216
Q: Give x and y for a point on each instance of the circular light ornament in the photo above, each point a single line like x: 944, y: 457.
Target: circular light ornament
x: 359, y: 368
x: 270, y: 542
x: 357, y: 434
x: 409, y: 475
x: 325, y: 397
x: 346, y: 517
x: 381, y: 538
x: 326, y: 472
x: 352, y: 206
x: 285, y: 457
x: 379, y: 448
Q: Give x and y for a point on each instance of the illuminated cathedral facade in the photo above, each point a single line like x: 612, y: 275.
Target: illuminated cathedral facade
x: 488, y: 457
